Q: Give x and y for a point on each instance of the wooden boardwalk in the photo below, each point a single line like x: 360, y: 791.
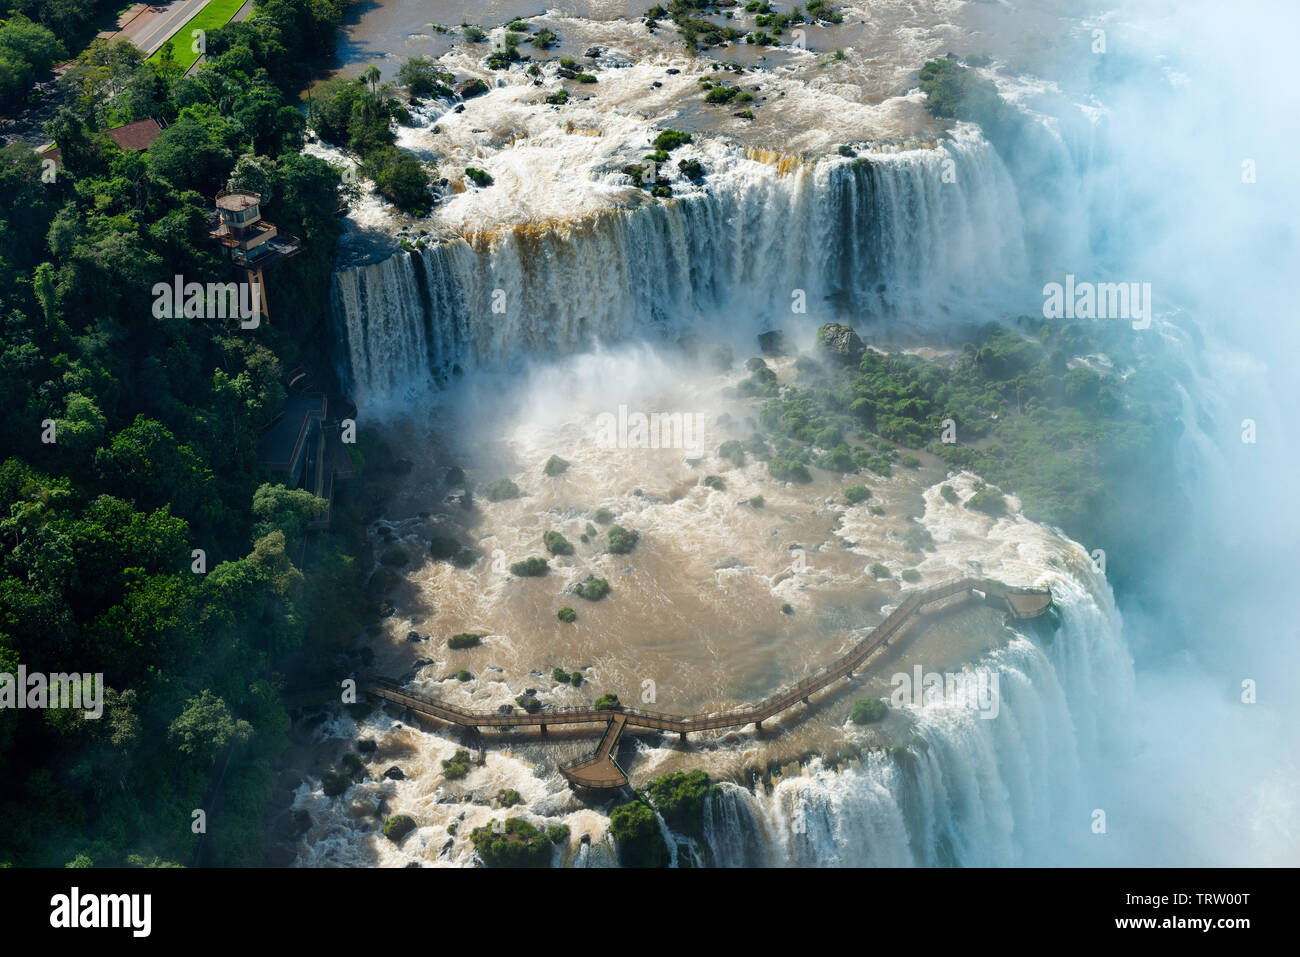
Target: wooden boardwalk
x: 600, y: 770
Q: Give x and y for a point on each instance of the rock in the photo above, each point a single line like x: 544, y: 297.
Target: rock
x: 772, y: 343
x: 656, y: 84
x: 395, y: 774
x: 416, y: 636
x: 673, y: 71
x: 460, y: 108
x: 731, y: 561
x: 300, y: 823
x: 421, y: 662
x: 585, y: 839
x: 530, y: 692
x: 367, y: 746
x: 382, y: 582
x: 394, y: 557
x: 468, y: 89
x: 398, y: 826
x: 411, y: 864
x: 839, y: 342
x: 505, y: 709
x: 593, y: 52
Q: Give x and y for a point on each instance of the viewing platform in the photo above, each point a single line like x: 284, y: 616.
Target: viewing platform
x: 600, y: 771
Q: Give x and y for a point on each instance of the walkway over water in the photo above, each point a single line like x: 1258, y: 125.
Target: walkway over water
x: 600, y: 770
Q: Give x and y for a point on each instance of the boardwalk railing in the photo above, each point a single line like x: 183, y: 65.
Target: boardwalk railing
x: 601, y: 771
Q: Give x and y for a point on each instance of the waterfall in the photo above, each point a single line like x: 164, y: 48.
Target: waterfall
x: 975, y: 791
x: 898, y: 235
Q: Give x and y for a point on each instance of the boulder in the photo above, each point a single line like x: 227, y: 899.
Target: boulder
x: 398, y: 826
x: 367, y: 746
x: 840, y: 343
x: 772, y: 343
x: 395, y: 774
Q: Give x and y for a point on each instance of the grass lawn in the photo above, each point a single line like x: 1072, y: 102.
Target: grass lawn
x: 216, y: 13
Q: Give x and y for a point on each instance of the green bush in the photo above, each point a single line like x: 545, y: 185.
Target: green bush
x: 855, y: 494
x: 679, y: 797
x: 576, y: 679
x: 715, y: 482
x: 502, y: 490
x: 560, y: 675
x: 518, y: 844
x: 910, y: 575
x: 607, y: 702
x: 948, y: 493
x: 868, y: 710
x: 555, y: 466
x: 558, y: 98
x: 733, y: 452
x: 637, y: 835
x: 557, y: 544
x: 509, y: 797
x: 464, y: 640
x: 398, y: 826
x: 669, y: 140
x: 988, y: 500
x: 457, y: 766
x: 463, y: 675
x: 602, y: 516
x: 482, y: 179
x: 592, y: 588
x: 879, y: 571
x: 621, y: 540
x: 567, y: 614
x: 787, y: 609
x: 533, y: 567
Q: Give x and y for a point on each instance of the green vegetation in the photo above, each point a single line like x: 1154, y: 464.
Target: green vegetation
x: 529, y: 703
x: 555, y: 466
x: 621, y: 540
x: 988, y: 500
x: 679, y: 797
x: 509, y: 797
x: 879, y: 571
x: 558, y: 98
x: 154, y: 452
x: 423, y: 78
x: 910, y: 575
x: 557, y: 544
x: 576, y: 679
x: 607, y: 702
x: 954, y: 92
x: 669, y: 140
x: 464, y: 640
x: 533, y: 567
x: 787, y: 609
x: 560, y: 675
x: 592, y: 588
x: 637, y: 835
x: 482, y: 179
x: 714, y: 482
x: 463, y: 675
x: 472, y: 33
x: 501, y: 490
x: 948, y: 493
x: 457, y: 766
x: 517, y: 844
x: 733, y: 452
x: 567, y: 614
x: 602, y: 516
x: 868, y: 710
x: 856, y: 494
x: 180, y: 48
x: 447, y: 549
x: 398, y: 826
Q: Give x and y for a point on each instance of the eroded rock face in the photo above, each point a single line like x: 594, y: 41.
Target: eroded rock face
x: 840, y: 343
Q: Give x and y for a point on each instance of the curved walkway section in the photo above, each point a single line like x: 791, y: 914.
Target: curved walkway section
x: 601, y: 771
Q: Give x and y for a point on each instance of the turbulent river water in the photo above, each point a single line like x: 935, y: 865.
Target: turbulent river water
x: 515, y: 318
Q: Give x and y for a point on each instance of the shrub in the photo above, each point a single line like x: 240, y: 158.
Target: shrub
x: 918, y: 538
x: 518, y: 844
x: 592, y: 588
x: 457, y: 766
x: 449, y: 550
x: 880, y: 571
x: 679, y: 797
x: 988, y: 500
x: 533, y: 567
x: 784, y: 469
x: 544, y: 39
x: 733, y: 452
x: 715, y: 482
x: 603, y: 516
x: 501, y: 490
x: 787, y: 609
x: 621, y: 540
x: 509, y: 797
x: 636, y: 832
x: 464, y: 640
x: 557, y: 544
x: 756, y: 501
x: 334, y: 784
x: 398, y: 826
x: 567, y: 614
x: 585, y: 78
x: 669, y: 140
x: 855, y: 494
x: 555, y: 466
x: 529, y: 703
x: 948, y: 493
x: 576, y: 679
x: 910, y: 575
x: 607, y: 702
x: 558, y: 98
x: 480, y: 178
x: 463, y: 675
x: 868, y: 710
x: 560, y: 675
x: 473, y: 34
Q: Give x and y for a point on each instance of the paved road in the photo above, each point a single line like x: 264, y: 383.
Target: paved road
x: 155, y: 26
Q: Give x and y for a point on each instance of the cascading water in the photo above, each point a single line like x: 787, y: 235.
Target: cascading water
x: 893, y: 235
x: 1001, y: 791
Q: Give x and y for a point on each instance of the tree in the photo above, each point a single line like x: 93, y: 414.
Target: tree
x: 206, y: 727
